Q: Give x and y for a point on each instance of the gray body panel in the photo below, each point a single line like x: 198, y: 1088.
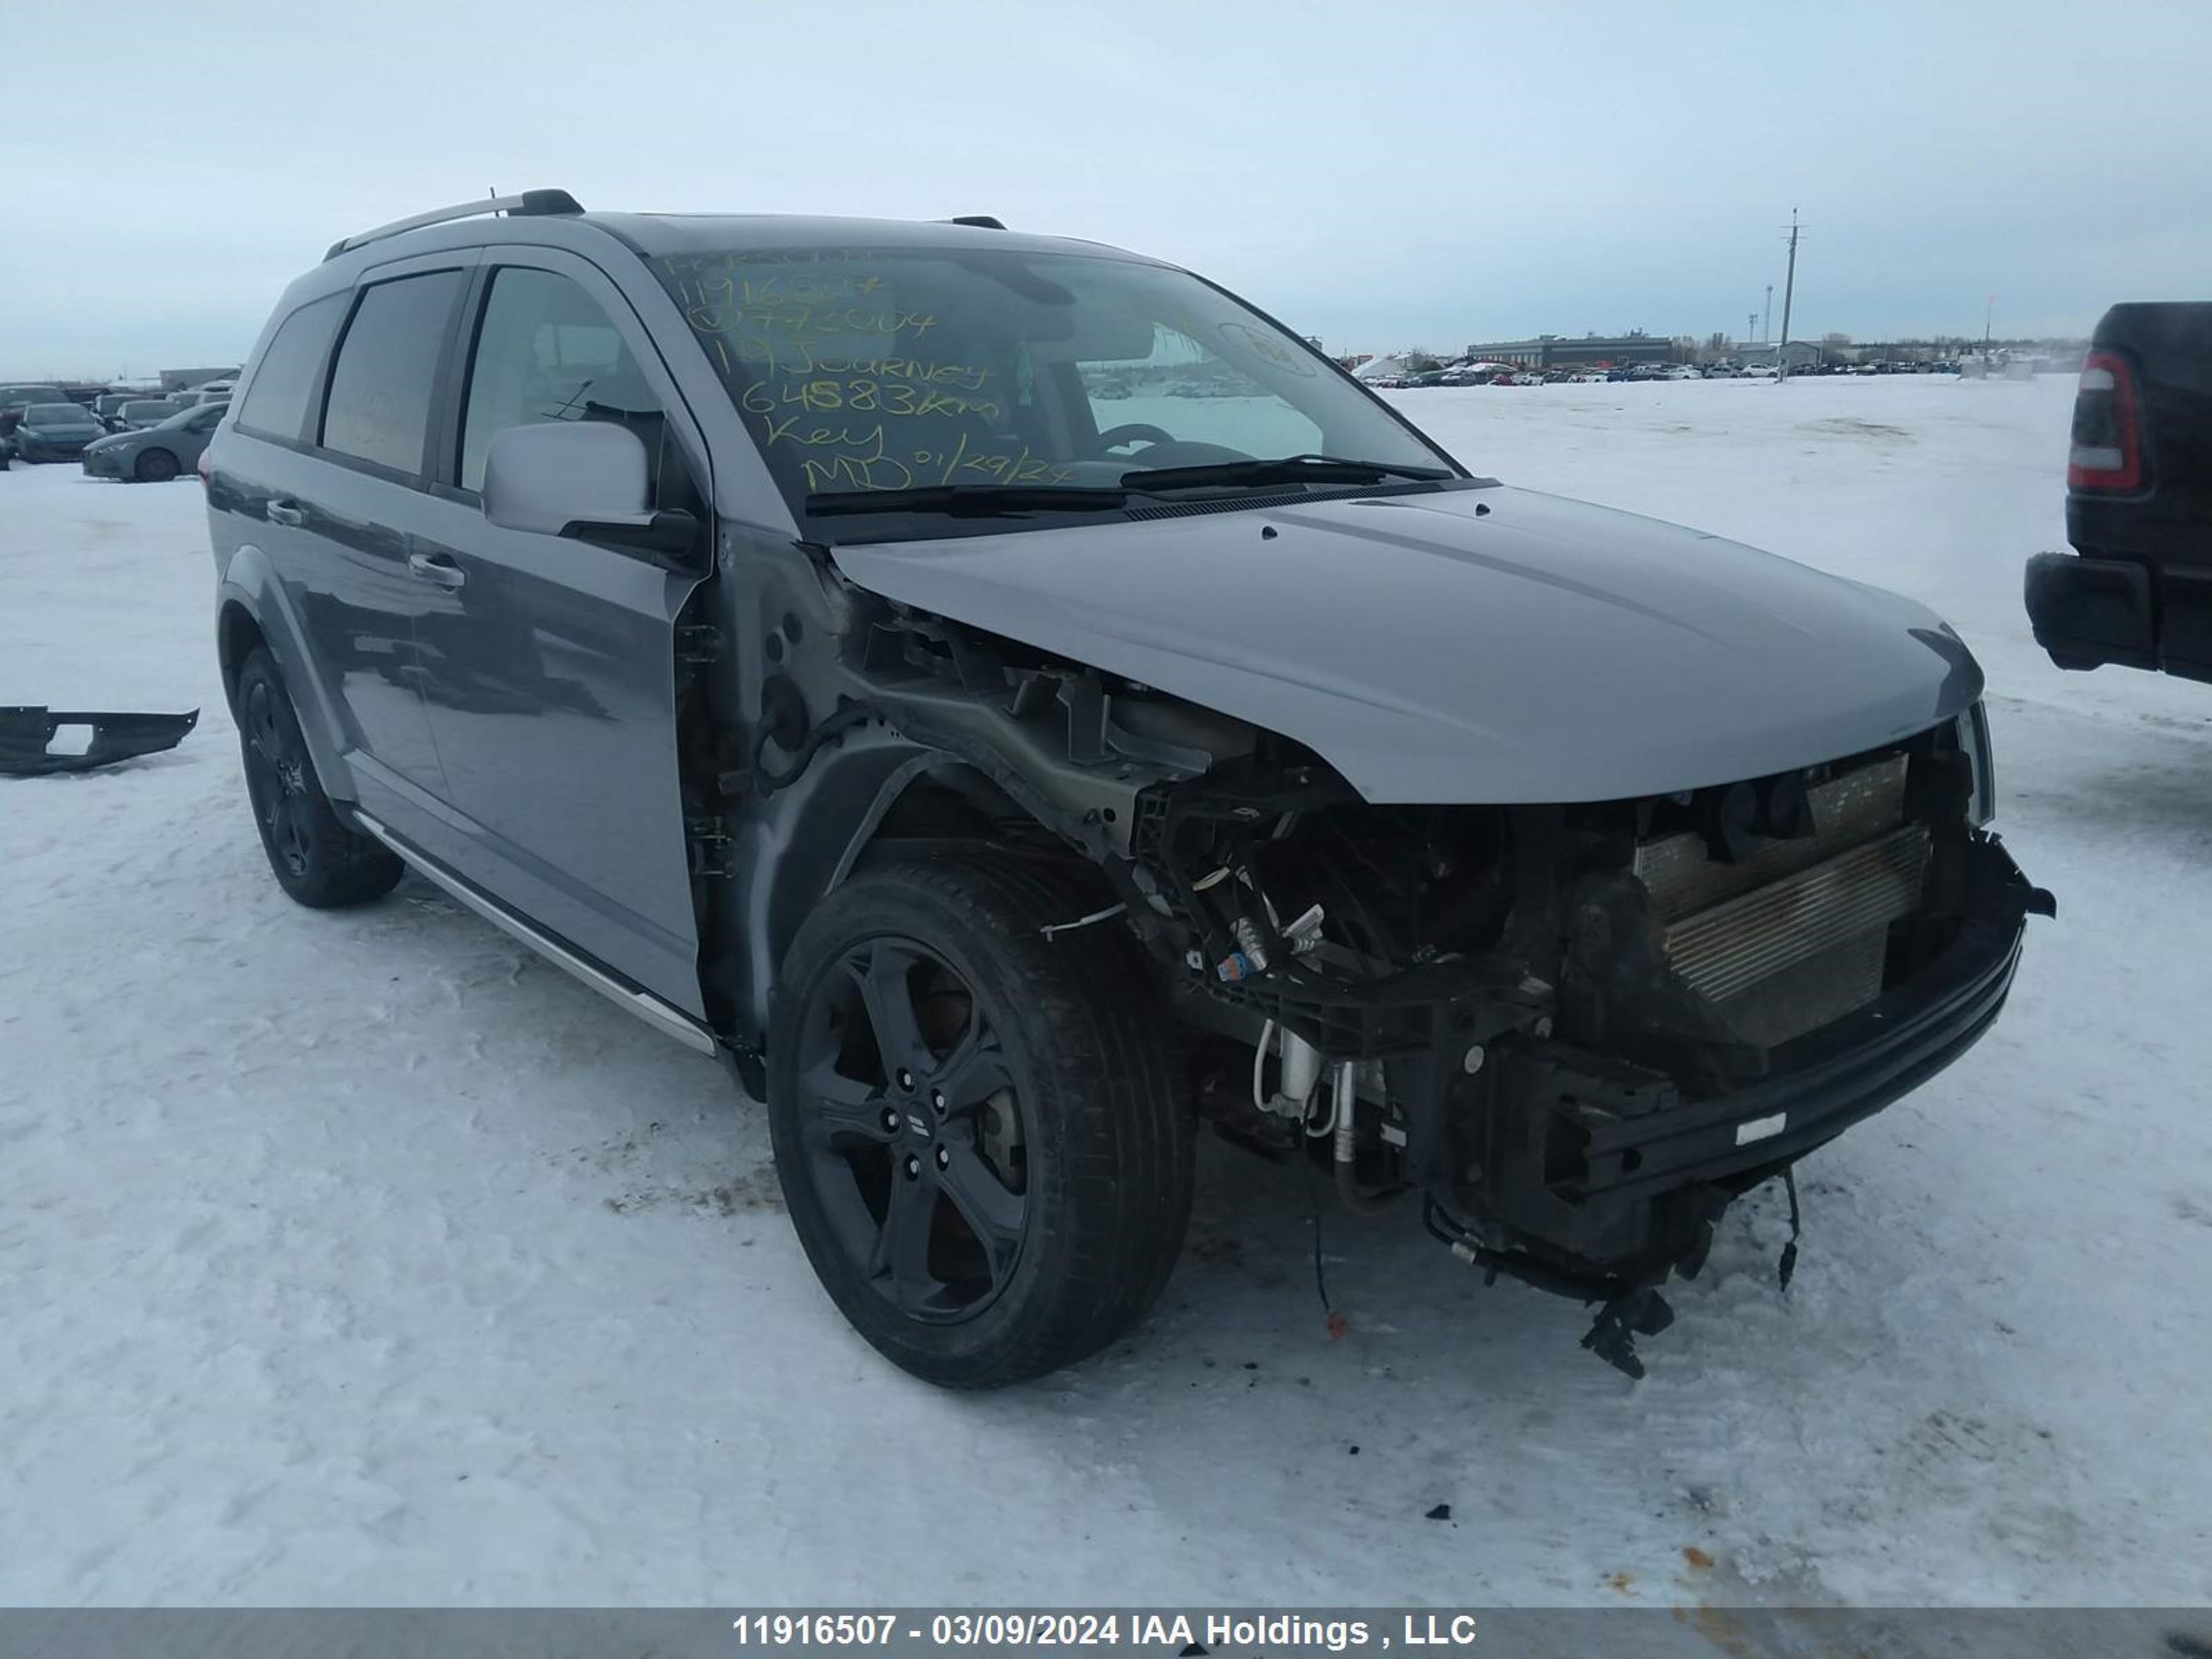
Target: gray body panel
x: 1543, y: 650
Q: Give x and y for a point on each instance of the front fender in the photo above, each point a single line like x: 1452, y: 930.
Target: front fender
x: 249, y: 588
x: 804, y: 841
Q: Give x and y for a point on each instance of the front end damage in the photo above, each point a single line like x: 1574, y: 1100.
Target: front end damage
x: 1566, y: 1035
x: 1572, y: 1034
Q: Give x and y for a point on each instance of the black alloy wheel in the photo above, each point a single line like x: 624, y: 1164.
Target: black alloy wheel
x: 977, y: 1125
x: 915, y: 1140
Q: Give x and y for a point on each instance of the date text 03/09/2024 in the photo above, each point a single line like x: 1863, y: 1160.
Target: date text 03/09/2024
x: 1176, y: 1632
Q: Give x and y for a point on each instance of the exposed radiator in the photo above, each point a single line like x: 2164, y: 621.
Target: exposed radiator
x: 1794, y: 936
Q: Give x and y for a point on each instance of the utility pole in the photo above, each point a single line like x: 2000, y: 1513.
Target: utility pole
x: 1766, y: 328
x: 1988, y: 317
x: 1789, y: 290
x: 1751, y: 329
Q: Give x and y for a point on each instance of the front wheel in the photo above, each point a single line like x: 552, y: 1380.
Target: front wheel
x: 155, y: 466
x: 976, y: 1128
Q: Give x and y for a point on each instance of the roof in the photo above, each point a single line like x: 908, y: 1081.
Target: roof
x: 541, y: 214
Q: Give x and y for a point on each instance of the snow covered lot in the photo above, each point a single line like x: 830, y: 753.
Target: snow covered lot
x: 363, y: 1258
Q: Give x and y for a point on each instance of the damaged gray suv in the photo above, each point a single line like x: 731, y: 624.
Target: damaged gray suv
x: 1011, y: 702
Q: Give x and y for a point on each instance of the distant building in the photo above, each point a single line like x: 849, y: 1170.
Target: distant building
x: 1591, y: 351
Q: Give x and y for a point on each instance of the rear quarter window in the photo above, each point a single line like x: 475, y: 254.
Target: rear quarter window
x: 275, y: 403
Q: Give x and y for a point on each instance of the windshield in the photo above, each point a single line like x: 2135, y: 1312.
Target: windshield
x: 864, y: 371
x: 52, y: 414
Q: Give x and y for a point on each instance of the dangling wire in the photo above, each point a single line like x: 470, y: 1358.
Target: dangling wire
x: 1321, y: 1278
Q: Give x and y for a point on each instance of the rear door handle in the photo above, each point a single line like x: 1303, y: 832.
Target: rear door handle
x: 437, y: 568
x: 287, y: 513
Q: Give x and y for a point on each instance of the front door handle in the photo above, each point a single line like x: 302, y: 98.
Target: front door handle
x: 437, y: 568
x: 287, y: 513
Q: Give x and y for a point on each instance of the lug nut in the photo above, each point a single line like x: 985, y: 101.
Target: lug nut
x: 937, y: 1099
x: 913, y: 1167
x: 905, y: 1079
x: 1474, y: 1060
x: 890, y: 1119
x: 943, y: 1158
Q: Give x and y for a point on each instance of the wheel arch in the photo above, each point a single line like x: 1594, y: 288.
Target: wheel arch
x: 252, y: 611
x: 872, y: 800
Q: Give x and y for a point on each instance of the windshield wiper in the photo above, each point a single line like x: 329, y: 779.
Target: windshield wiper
x: 970, y: 500
x: 1288, y: 469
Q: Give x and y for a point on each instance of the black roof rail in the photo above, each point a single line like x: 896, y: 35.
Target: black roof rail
x: 531, y: 201
x: 982, y: 221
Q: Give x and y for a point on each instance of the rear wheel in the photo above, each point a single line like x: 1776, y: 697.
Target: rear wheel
x: 976, y: 1129
x: 316, y: 859
x: 155, y: 467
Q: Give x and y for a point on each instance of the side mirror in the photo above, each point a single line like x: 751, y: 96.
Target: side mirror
x: 584, y: 480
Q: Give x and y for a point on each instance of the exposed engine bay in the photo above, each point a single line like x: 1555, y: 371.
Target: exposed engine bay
x: 1509, y: 1012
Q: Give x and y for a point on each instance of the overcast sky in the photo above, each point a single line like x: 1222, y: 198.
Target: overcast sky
x: 1378, y: 173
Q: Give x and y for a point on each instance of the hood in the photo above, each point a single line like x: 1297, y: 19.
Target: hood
x: 1469, y: 646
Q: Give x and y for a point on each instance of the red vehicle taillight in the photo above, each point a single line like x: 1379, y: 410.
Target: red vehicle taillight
x: 2107, y: 447
x: 204, y: 469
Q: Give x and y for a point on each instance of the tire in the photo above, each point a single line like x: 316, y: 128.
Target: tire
x: 317, y: 859
x: 155, y: 467
x: 1011, y: 1197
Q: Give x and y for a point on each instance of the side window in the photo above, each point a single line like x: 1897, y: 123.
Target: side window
x: 275, y: 403
x: 379, y: 408
x: 545, y: 351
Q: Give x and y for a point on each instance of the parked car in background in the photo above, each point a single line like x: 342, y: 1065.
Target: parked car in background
x: 1761, y: 372
x: 1680, y: 372
x: 55, y: 431
x: 2136, y: 590
x: 107, y: 408
x: 142, y: 412
x: 15, y: 399
x: 158, y: 453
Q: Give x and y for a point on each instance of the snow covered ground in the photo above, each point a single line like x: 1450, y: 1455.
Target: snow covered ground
x: 363, y: 1258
